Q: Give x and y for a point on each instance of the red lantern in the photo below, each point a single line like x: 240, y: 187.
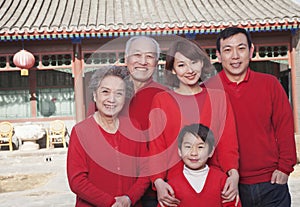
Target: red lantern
x: 24, y: 60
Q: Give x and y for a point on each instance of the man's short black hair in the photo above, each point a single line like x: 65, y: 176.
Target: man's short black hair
x: 230, y: 31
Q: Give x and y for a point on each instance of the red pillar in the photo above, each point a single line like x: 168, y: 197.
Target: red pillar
x: 78, y: 82
x: 294, y: 89
x: 32, y: 92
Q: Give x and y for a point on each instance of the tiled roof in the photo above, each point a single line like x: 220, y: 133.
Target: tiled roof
x: 34, y: 19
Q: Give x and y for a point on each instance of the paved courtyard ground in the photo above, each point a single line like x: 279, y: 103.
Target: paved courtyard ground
x: 38, y: 179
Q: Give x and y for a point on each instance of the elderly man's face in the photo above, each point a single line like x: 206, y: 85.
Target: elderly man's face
x: 141, y: 59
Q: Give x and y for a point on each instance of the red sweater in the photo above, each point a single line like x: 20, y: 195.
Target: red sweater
x: 138, y: 108
x: 210, y: 196
x: 101, y: 165
x: 210, y: 108
x: 140, y: 104
x: 264, y: 124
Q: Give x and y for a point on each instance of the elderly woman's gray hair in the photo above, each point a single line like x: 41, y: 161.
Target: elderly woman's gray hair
x: 111, y: 70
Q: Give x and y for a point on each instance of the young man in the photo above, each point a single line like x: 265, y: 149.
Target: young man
x: 264, y: 120
x: 197, y: 184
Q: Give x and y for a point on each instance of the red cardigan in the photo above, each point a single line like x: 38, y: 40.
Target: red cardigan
x: 211, y: 108
x: 101, y: 165
x: 210, y: 194
x: 264, y: 124
x: 139, y: 106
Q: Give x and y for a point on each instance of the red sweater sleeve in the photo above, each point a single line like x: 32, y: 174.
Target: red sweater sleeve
x: 136, y: 191
x: 77, y: 171
x: 157, y: 142
x: 283, y: 123
x: 226, y: 155
x: 165, y: 125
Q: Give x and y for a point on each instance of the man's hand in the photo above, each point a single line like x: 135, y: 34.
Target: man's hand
x: 165, y: 193
x: 122, y: 201
x: 230, y: 190
x: 279, y: 177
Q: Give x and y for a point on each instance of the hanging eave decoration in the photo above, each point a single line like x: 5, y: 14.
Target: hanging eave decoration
x: 24, y: 60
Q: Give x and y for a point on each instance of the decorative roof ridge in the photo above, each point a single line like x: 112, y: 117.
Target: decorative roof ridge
x: 69, y: 33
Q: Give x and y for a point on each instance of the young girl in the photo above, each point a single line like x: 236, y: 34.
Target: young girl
x: 190, y: 103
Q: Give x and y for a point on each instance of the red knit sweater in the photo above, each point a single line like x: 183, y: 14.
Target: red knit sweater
x: 210, y: 196
x: 140, y: 104
x: 264, y: 124
x: 101, y: 165
x: 210, y: 108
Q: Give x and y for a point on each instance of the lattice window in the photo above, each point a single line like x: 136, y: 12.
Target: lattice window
x: 273, y: 51
x: 162, y: 56
x: 102, y: 58
x: 270, y: 52
x: 211, y: 52
x: 2, y: 62
x: 52, y: 60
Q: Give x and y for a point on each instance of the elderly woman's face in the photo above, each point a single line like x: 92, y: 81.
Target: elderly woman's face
x: 110, y: 96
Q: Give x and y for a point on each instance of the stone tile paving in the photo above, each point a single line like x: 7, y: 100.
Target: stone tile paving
x: 44, y: 182
x: 53, y: 191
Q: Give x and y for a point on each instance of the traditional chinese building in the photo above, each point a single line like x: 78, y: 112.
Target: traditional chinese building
x: 70, y: 38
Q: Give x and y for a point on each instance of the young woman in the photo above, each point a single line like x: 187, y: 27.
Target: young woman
x: 186, y: 104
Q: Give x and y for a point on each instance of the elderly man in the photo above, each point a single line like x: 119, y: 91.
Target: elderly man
x: 141, y: 58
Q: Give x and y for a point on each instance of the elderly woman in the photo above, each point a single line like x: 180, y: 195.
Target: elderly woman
x: 105, y: 155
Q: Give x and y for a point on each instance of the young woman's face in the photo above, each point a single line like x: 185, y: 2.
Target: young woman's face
x: 194, y: 152
x: 110, y: 96
x: 187, y: 71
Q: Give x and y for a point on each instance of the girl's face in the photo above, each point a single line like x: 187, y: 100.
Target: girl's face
x: 110, y: 96
x: 187, y: 71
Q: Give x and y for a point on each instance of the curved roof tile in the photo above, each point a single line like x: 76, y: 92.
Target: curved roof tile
x: 68, y: 17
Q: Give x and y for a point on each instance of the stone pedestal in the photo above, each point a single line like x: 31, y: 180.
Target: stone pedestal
x: 28, y: 135
x: 29, y: 145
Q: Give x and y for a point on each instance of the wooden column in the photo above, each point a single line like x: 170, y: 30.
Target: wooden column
x: 78, y: 81
x: 32, y: 92
x: 294, y: 81
x: 295, y: 76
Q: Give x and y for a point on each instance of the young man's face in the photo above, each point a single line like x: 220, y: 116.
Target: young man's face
x: 194, y: 152
x: 141, y: 59
x: 235, y: 56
